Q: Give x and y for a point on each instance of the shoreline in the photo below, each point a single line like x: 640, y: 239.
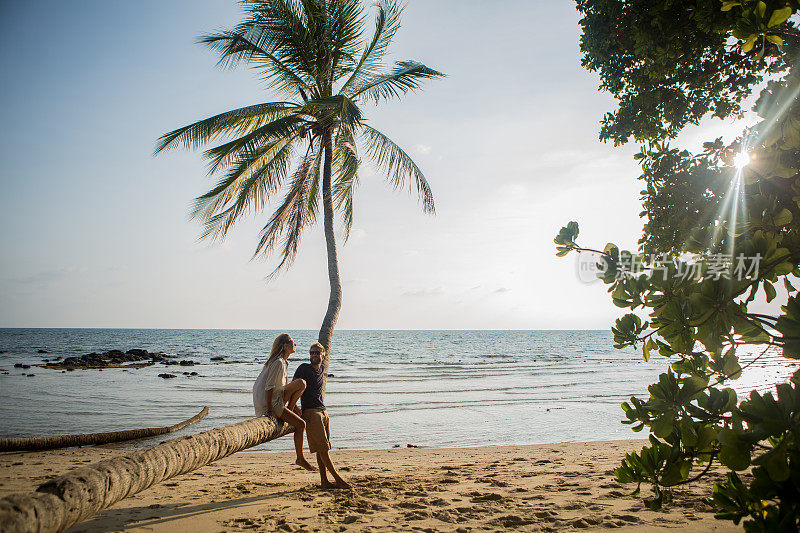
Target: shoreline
x: 539, y: 487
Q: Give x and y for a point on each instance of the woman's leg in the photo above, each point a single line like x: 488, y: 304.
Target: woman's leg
x: 292, y: 393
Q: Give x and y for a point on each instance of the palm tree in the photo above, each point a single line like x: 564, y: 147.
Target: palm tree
x: 64, y: 501
x: 33, y: 444
x: 318, y: 56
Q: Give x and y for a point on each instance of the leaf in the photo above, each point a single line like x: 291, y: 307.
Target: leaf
x: 676, y: 472
x: 727, y: 5
x: 779, y: 16
x: 783, y: 218
x: 688, y: 434
x: 749, y: 43
x: 788, y: 285
x: 730, y: 366
x: 769, y: 289
x: 775, y: 39
x: 662, y: 427
x: 777, y: 466
x: 734, y: 457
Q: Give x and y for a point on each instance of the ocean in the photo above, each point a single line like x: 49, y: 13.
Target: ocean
x: 387, y: 388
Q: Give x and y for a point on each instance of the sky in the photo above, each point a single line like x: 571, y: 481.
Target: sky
x: 96, y: 233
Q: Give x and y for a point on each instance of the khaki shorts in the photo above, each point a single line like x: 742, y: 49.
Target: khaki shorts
x: 318, y: 429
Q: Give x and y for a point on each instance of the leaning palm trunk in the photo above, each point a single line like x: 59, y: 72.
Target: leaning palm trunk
x: 67, y: 500
x: 67, y: 441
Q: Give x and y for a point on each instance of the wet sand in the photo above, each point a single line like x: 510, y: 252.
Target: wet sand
x: 544, y: 487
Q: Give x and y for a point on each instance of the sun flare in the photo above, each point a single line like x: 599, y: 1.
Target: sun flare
x: 742, y: 160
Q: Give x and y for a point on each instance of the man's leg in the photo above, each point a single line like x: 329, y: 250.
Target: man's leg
x: 323, y: 453
x: 323, y: 477
x: 324, y: 460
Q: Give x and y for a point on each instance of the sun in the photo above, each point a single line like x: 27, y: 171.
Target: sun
x: 741, y: 160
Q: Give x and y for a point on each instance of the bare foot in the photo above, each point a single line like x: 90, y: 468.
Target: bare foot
x: 327, y: 485
x: 305, y: 464
x: 342, y: 484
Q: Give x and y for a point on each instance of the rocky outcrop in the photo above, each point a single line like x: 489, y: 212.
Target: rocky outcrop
x: 135, y: 358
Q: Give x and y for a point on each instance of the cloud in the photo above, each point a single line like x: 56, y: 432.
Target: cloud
x: 423, y: 293
x: 48, y: 276
x: 357, y: 235
x: 422, y: 149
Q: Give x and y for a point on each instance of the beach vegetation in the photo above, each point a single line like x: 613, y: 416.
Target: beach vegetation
x: 325, y: 63
x: 722, y: 227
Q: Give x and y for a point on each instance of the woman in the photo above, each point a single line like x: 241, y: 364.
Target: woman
x: 271, y: 392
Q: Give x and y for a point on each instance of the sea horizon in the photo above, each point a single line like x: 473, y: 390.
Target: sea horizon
x: 432, y: 388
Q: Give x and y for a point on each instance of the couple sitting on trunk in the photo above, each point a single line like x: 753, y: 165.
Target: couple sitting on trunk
x: 274, y: 395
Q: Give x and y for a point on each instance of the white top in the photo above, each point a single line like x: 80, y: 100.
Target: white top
x: 272, y: 376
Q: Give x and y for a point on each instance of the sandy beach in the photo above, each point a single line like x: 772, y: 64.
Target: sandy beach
x: 543, y: 487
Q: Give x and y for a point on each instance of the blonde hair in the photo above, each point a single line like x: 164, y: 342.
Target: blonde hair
x: 277, y: 347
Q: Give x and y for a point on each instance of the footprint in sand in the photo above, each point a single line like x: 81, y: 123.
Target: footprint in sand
x: 445, y: 516
x: 489, y: 497
x: 585, y: 522
x: 411, y: 505
x: 572, y: 506
x: 513, y: 521
x: 417, y: 515
x: 627, y: 518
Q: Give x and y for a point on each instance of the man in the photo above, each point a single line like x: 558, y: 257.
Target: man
x: 318, y: 432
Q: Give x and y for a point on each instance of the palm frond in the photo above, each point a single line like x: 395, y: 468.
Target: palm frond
x: 224, y: 154
x: 235, y: 121
x: 346, y: 163
x: 344, y: 21
x: 313, y: 195
x: 285, y: 28
x: 397, y: 164
x: 387, y: 22
x: 235, y: 48
x: 290, y: 218
x: 247, y: 187
x: 406, y: 76
x: 333, y: 111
